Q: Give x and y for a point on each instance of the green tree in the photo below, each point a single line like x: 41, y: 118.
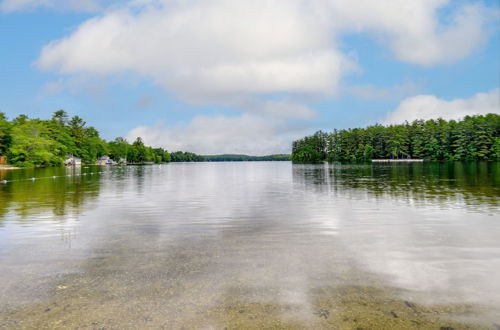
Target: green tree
x: 5, y: 134
x: 118, y: 149
x: 32, y: 145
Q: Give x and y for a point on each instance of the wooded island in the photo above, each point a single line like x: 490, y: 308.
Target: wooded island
x: 472, y: 138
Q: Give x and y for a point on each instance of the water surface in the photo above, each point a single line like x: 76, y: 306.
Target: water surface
x: 251, y: 245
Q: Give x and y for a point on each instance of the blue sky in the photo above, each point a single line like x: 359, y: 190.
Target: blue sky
x: 221, y: 76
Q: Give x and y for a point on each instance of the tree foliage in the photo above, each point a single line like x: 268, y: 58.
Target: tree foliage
x: 180, y: 156
x: 473, y: 138
x: 5, y: 134
x: 36, y: 142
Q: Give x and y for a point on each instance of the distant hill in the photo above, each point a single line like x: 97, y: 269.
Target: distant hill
x: 245, y: 158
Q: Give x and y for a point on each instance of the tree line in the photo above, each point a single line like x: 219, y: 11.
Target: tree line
x: 36, y: 142
x: 180, y: 156
x: 472, y: 138
x: 245, y: 158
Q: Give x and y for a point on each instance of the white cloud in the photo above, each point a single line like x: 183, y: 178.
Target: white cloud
x: 245, y: 134
x: 442, y: 44
x: 431, y: 107
x: 214, y: 50
x: 210, y: 50
x: 76, y: 5
x: 412, y: 29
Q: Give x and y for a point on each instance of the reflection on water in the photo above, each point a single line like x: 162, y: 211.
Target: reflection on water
x: 454, y: 184
x: 252, y: 245
x: 61, y: 191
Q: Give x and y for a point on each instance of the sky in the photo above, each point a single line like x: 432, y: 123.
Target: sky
x: 247, y: 76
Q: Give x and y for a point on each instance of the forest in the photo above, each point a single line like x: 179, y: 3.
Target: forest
x: 35, y: 142
x: 472, y: 138
x: 181, y: 156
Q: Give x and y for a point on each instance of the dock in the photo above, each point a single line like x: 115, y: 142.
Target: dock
x: 407, y: 160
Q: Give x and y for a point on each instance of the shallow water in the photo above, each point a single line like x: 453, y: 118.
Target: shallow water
x: 251, y: 245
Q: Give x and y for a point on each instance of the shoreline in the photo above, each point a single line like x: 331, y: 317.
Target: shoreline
x: 11, y: 167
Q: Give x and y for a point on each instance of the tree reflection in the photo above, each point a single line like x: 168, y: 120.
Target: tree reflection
x: 65, y: 194
x: 471, y: 183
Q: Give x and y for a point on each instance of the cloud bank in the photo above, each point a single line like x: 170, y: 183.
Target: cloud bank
x: 431, y: 107
x: 218, y: 49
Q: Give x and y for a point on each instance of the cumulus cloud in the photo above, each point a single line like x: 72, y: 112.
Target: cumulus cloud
x: 245, y: 134
x: 77, y: 5
x: 206, y: 50
x: 214, y: 50
x: 431, y: 107
x: 413, y: 30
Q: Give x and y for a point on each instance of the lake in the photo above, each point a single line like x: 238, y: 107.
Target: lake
x: 251, y: 245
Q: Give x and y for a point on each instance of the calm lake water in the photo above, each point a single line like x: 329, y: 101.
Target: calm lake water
x: 252, y: 245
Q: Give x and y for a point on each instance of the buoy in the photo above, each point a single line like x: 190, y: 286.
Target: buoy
x: 53, y: 177
x: 4, y: 181
x: 32, y: 179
